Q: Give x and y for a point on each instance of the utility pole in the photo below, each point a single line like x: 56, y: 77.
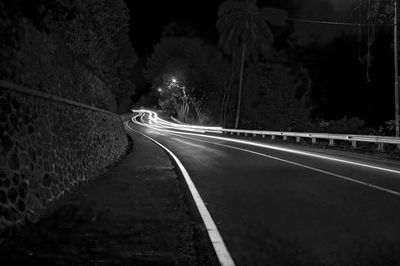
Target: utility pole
x: 396, y: 72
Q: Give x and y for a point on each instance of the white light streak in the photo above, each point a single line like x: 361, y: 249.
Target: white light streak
x: 156, y: 123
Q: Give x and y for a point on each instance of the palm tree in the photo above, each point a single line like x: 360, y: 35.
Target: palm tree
x: 244, y: 30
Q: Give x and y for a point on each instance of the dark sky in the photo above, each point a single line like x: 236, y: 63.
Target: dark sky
x: 148, y: 17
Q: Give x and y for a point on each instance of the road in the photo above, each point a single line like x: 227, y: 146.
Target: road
x: 282, y: 205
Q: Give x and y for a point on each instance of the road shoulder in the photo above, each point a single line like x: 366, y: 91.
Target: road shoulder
x: 134, y: 214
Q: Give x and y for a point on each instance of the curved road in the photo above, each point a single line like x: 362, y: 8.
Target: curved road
x: 275, y: 205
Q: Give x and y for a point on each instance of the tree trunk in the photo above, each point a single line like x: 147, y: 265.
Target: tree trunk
x: 196, y: 110
x: 240, y: 86
x: 221, y: 113
x: 226, y: 105
x: 226, y: 98
x: 223, y: 103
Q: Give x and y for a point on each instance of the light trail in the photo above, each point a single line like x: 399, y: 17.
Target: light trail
x: 156, y: 123
x: 159, y: 123
x: 370, y: 185
x: 153, y: 125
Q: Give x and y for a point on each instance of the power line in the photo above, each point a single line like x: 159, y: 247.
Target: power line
x: 337, y: 23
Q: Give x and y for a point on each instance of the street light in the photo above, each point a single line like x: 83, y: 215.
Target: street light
x: 159, y: 90
x: 174, y: 80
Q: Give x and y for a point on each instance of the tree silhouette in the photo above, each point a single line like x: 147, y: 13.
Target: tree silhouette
x: 243, y: 30
x: 188, y: 60
x: 74, y: 49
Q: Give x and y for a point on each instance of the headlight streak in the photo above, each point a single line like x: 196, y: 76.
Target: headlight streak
x: 370, y: 185
x: 163, y: 124
x: 155, y: 125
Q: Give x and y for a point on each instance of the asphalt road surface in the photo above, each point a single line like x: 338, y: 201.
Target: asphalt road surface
x: 280, y: 205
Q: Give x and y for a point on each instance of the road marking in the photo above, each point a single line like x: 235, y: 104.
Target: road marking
x: 190, y: 144
x: 393, y: 192
x: 180, y: 134
x: 224, y: 257
x: 310, y: 154
x: 280, y: 149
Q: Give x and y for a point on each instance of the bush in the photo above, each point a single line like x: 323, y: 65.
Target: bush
x: 353, y: 125
x: 270, y: 98
x: 78, y: 50
x: 42, y: 63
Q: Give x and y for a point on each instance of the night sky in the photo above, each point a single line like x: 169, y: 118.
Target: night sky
x: 148, y: 18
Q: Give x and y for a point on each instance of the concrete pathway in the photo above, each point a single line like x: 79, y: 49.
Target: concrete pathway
x: 135, y: 214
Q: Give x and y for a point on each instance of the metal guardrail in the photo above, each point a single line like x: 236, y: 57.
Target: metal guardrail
x: 353, y: 139
x: 379, y: 140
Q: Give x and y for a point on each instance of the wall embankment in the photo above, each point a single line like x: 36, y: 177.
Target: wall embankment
x: 49, y: 145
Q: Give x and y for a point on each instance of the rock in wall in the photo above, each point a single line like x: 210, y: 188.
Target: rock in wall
x: 47, y: 147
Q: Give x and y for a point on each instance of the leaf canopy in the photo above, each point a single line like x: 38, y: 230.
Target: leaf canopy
x: 242, y: 23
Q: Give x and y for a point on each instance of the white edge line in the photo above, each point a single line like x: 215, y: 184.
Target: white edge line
x: 224, y: 257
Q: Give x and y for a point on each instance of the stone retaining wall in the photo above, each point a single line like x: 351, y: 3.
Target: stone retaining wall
x: 47, y: 147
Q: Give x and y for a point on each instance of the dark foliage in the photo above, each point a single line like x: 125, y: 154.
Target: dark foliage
x: 193, y: 63
x: 339, y: 77
x: 74, y: 49
x: 275, y: 96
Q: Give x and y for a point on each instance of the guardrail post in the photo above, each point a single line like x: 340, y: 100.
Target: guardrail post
x: 380, y: 146
x: 380, y: 141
